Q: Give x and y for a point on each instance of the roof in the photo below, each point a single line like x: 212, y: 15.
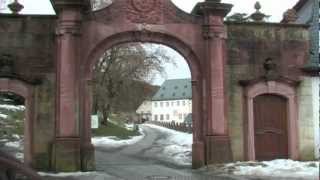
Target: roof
x: 300, y: 4
x: 174, y: 89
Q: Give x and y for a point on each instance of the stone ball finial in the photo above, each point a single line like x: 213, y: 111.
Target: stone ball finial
x: 290, y: 16
x: 257, y: 6
x: 258, y: 16
x: 15, y: 7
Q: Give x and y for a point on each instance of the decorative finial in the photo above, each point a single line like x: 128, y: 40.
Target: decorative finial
x: 15, y: 7
x: 290, y: 16
x: 257, y: 6
x: 258, y: 16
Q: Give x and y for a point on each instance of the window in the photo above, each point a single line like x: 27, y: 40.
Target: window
x: 186, y: 86
x: 183, y: 103
x: 173, y: 94
x: 161, y: 117
x: 185, y: 115
x: 183, y: 94
x: 161, y: 104
x: 156, y: 117
x: 178, y: 103
x: 180, y: 116
x: 172, y: 103
x: 167, y: 104
x: 167, y: 117
x: 155, y: 104
x: 176, y: 87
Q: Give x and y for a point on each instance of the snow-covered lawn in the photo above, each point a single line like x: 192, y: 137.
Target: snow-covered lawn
x: 16, y: 148
x: 276, y: 168
x: 3, y: 116
x: 177, y: 145
x: 114, y: 142
x: 12, y: 107
x: 15, y: 144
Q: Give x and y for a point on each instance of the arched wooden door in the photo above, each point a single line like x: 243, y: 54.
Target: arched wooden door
x: 270, y: 127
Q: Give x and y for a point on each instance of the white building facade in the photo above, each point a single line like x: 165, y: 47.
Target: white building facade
x: 173, y: 101
x: 144, y: 111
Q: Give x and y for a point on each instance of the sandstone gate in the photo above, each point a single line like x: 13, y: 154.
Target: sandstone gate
x: 54, y: 56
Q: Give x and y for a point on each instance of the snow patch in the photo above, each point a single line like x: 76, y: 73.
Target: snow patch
x: 3, y: 116
x: 19, y: 156
x: 15, y: 144
x: 177, y: 145
x: 277, y: 168
x: 12, y: 107
x: 114, y: 142
x: 73, y: 174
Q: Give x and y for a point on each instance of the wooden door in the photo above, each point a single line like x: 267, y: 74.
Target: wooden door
x: 270, y: 126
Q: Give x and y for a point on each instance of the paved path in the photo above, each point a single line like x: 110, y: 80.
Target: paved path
x: 141, y: 161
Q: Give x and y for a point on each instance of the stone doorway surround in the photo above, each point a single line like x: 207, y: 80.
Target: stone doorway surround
x: 26, y: 91
x: 283, y: 88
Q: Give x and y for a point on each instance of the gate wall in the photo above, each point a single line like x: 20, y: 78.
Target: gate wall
x: 55, y: 55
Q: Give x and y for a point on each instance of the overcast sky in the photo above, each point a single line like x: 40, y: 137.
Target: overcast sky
x: 275, y: 8
x: 270, y: 7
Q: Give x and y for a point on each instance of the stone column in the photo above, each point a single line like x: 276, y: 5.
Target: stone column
x: 198, y: 152
x: 66, y: 148
x: 217, y: 142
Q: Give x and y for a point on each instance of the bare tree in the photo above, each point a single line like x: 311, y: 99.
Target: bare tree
x: 119, y: 70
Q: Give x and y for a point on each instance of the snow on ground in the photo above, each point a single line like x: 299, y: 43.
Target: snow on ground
x: 73, y: 174
x: 4, y: 116
x: 114, y: 142
x: 15, y: 144
x: 177, y: 145
x: 12, y: 107
x: 77, y: 175
x: 276, y: 168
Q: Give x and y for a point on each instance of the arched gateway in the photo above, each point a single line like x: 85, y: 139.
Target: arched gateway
x: 49, y: 60
x: 82, y: 37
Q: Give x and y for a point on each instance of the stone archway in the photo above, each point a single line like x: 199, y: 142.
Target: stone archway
x: 83, y: 36
x: 183, y: 49
x: 26, y: 91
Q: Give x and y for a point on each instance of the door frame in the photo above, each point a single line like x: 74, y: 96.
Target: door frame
x: 276, y: 88
x: 27, y: 92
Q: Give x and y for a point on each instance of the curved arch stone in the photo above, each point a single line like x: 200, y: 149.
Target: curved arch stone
x: 27, y: 92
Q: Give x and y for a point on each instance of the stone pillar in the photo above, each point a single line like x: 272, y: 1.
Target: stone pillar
x: 66, y: 148
x: 198, y: 152
x: 87, y: 149
x: 217, y: 142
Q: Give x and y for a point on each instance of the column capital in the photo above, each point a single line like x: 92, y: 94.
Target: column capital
x: 68, y: 30
x: 213, y: 8
x: 61, y: 4
x: 210, y: 32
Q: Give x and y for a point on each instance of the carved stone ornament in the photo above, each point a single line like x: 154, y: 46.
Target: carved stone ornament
x: 270, y: 68
x: 142, y: 11
x: 6, y: 64
x: 290, y: 16
x: 15, y: 7
x: 143, y: 5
